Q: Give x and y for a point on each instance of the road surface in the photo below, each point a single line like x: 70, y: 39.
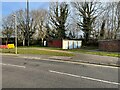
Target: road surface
x: 25, y: 73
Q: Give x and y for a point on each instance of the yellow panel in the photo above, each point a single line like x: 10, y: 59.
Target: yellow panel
x: 11, y: 46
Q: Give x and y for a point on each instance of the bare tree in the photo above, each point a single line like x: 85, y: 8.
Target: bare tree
x: 22, y: 26
x: 102, y: 32
x: 110, y: 15
x: 40, y: 18
x: 118, y: 18
x: 8, y: 27
x: 21, y: 20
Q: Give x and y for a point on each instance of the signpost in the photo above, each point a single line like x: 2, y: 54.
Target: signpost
x: 15, y: 21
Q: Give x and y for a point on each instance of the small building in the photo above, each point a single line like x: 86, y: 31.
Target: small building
x: 65, y: 44
x: 55, y: 43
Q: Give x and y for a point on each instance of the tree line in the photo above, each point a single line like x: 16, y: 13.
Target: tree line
x: 74, y: 20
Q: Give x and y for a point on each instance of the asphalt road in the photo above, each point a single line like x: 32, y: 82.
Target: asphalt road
x: 25, y: 73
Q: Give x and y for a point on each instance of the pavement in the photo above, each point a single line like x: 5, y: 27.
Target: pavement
x: 18, y: 72
x: 80, y: 58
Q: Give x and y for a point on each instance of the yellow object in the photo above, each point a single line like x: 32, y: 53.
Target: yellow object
x: 10, y: 46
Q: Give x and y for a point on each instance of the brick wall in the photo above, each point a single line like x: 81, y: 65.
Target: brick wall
x: 109, y: 45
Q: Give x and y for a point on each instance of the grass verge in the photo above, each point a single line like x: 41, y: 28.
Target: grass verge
x: 51, y: 48
x: 86, y: 50
x: 35, y: 51
x: 101, y: 53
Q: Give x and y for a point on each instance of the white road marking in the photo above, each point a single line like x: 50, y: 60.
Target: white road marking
x: 12, y: 65
x: 88, y: 78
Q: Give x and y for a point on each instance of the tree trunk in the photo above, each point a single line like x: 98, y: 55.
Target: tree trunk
x: 86, y: 38
x: 28, y: 42
x: 7, y: 41
x: 24, y: 42
x: 42, y: 42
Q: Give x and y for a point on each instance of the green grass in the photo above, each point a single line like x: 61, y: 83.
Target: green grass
x: 84, y: 50
x: 101, y: 53
x: 35, y: 51
x: 51, y: 48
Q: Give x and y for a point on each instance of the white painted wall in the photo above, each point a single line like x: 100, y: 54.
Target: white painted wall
x: 65, y: 44
x: 71, y: 44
